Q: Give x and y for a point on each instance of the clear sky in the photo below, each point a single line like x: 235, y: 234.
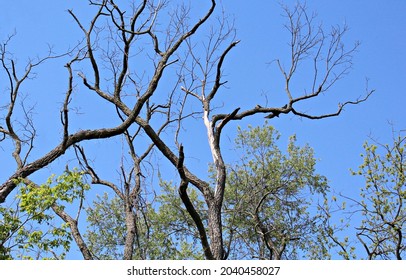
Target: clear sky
x: 380, y: 26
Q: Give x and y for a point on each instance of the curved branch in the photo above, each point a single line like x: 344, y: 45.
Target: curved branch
x: 59, y: 150
x: 189, y: 206
x: 217, y: 82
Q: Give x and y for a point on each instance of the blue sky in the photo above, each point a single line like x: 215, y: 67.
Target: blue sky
x: 379, y: 26
x: 381, y: 58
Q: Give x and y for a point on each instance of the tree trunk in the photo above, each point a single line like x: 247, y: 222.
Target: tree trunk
x: 216, y: 231
x: 131, y: 231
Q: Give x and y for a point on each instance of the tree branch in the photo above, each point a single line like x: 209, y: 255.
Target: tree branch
x: 189, y: 206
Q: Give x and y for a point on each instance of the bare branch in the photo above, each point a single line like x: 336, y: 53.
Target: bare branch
x: 189, y: 205
x: 217, y: 82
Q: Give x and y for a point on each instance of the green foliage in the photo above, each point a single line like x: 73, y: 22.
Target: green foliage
x: 163, y: 232
x: 382, y: 229
x: 271, y: 199
x: 66, y: 188
x: 280, y: 191
x: 28, y: 229
x: 176, y: 232
x: 9, y: 224
x: 106, y: 227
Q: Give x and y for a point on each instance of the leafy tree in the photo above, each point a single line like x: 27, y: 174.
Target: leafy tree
x: 30, y: 229
x: 383, y: 197
x: 106, y: 228
x: 163, y: 233
x: 270, y: 209
x: 272, y: 199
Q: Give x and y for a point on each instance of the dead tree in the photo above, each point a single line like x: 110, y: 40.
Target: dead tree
x: 135, y: 37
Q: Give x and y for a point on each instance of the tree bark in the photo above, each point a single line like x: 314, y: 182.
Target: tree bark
x: 216, y: 231
x: 131, y: 231
x: 73, y: 224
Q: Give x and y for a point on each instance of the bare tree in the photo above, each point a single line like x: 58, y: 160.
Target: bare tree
x: 331, y: 61
x: 130, y: 54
